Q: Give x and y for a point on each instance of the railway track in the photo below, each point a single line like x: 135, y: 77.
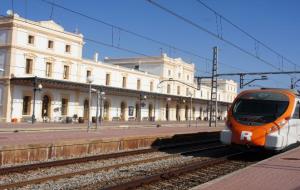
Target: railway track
x: 175, y: 150
x: 190, y: 175
x: 34, y: 166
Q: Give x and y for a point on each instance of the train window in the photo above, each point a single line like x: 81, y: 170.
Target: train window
x: 260, y: 107
x: 297, y: 112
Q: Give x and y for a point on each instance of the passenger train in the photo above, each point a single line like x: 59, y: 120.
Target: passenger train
x: 267, y: 118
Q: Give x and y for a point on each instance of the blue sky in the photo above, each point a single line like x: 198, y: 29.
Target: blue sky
x: 274, y: 22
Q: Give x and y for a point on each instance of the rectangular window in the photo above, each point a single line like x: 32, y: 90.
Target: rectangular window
x: 64, y: 106
x: 28, y: 67
x: 178, y: 90
x: 124, y: 82
x: 88, y: 73
x: 66, y: 72
x: 26, y: 105
x: 48, y: 69
x: 138, y: 84
x: 187, y: 91
x: 168, y: 89
x: 30, y: 39
x: 50, y: 44
x: 169, y: 72
x: 107, y: 79
x: 68, y: 48
x: 151, y: 86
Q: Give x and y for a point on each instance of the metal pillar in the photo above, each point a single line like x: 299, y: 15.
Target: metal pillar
x: 89, y: 112
x: 97, y: 109
x: 191, y: 111
x: 140, y: 108
x: 292, y: 83
x: 214, y: 89
x: 34, y: 93
x: 241, y: 81
x: 101, y: 105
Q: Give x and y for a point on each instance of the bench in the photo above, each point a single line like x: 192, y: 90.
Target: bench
x: 115, y: 119
x: 26, y: 119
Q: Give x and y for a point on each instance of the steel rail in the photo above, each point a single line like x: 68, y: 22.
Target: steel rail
x: 171, y: 173
x: 28, y: 167
x: 83, y: 172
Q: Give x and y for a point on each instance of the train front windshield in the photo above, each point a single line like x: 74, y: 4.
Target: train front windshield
x: 258, y: 108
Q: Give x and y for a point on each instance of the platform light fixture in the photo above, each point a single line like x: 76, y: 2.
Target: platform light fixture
x: 35, y: 89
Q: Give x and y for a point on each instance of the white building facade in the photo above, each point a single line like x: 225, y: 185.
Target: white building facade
x: 34, y: 54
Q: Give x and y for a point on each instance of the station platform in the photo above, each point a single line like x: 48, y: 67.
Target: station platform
x: 42, y: 142
x: 278, y: 172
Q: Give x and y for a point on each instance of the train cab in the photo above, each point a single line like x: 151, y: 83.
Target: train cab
x: 267, y: 118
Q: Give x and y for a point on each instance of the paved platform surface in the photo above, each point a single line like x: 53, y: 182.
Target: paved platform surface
x: 51, y: 133
x: 279, y: 172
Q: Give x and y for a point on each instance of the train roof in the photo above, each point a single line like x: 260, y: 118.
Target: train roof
x: 283, y: 89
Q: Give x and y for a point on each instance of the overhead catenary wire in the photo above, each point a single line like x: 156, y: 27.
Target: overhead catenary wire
x: 113, y: 26
x: 106, y: 44
x: 245, y: 32
x: 210, y: 33
x: 87, y: 39
x: 126, y: 49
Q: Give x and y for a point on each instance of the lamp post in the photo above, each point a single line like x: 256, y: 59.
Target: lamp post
x: 35, y: 88
x: 89, y: 80
x: 142, y: 97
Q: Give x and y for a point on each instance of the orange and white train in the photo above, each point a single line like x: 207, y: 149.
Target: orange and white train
x: 268, y: 118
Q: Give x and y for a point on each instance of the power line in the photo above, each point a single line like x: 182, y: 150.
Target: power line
x: 106, y: 44
x: 210, y: 33
x: 87, y: 39
x: 245, y: 32
x: 53, y: 4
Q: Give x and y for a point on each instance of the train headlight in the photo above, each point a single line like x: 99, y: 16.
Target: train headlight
x: 282, y: 123
x: 274, y: 129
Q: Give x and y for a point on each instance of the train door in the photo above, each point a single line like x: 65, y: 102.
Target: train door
x: 296, y: 121
x: 293, y: 128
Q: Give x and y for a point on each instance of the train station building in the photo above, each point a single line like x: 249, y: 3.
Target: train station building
x: 43, y: 71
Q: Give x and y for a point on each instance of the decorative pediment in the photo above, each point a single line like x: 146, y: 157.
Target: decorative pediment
x: 51, y: 24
